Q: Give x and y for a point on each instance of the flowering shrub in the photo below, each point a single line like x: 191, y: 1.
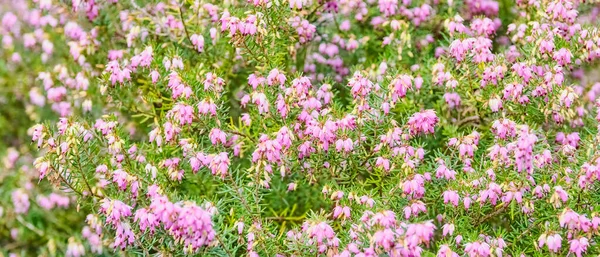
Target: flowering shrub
x: 300, y: 128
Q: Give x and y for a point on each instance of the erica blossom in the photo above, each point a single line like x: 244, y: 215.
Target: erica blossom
x: 116, y: 73
x: 341, y: 212
x: 448, y: 229
x: 115, y: 211
x: 219, y: 164
x: 217, y: 136
x: 261, y: 101
x: 146, y: 220
x: 344, y: 145
x: 144, y: 59
x: 124, y: 236
x: 182, y: 113
x: 495, y: 104
x: 427, y: 84
x: 296, y: 4
x: 304, y: 29
x: 423, y: 122
x: 20, y: 200
x: 359, y: 85
x: 552, y: 241
x: 207, y: 107
x: 269, y: 149
x: 414, y: 209
x: 445, y: 251
x: 451, y: 196
x: 198, y: 42
x: 74, y: 248
x: 452, y: 99
x: 578, y: 246
x: 388, y: 7
x: 444, y: 172
x: 478, y: 249
x: 320, y: 233
x: 246, y: 119
x: 276, y: 77
x: 384, y: 238
x: 383, y: 163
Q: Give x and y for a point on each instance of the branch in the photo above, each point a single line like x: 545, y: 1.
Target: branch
x: 486, y: 217
x: 187, y: 34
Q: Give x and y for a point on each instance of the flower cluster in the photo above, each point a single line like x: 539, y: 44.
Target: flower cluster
x: 299, y: 128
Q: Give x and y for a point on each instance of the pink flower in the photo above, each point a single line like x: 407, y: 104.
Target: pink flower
x: 344, y: 145
x: 146, y: 220
x: 484, y: 27
x: 418, y: 82
x: 459, y: 49
x: 292, y: 186
x: 445, y: 251
x: 187, y: 223
x: 321, y: 233
x: 447, y: 229
x: 383, y: 163
x: 240, y: 227
x: 219, y: 164
x: 341, y: 212
x: 267, y: 149
x: 420, y: 232
x: 478, y: 249
x: 256, y: 81
x: 177, y: 63
x: 116, y: 73
x: 304, y: 29
x: 43, y: 167
x: 388, y: 7
x: 120, y: 177
x: 296, y: 4
x: 504, y: 128
x: 414, y: 209
x: 198, y: 42
x: 144, y: 59
x: 360, y: 86
x: 115, y: 54
x: 563, y: 56
x: 578, y: 246
x: 276, y: 76
x: 260, y: 99
x: 246, y: 119
x: 384, y: 239
x: 154, y: 75
x: 20, y: 201
x: 305, y: 149
x: 182, y: 113
x: 559, y: 195
x: 546, y: 46
x: 554, y: 242
x: 451, y: 196
x: 217, y: 136
x: 345, y: 25
x: 423, y: 122
x: 567, y: 97
x: 492, y: 193
x: 399, y: 86
x: 74, y: 248
x: 452, y: 99
x: 114, y: 210
x: 206, y: 107
x: 124, y: 236
x: 443, y: 172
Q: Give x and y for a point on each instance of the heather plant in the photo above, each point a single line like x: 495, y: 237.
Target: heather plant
x: 300, y: 128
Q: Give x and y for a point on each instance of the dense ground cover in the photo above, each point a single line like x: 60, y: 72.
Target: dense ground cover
x: 299, y: 128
